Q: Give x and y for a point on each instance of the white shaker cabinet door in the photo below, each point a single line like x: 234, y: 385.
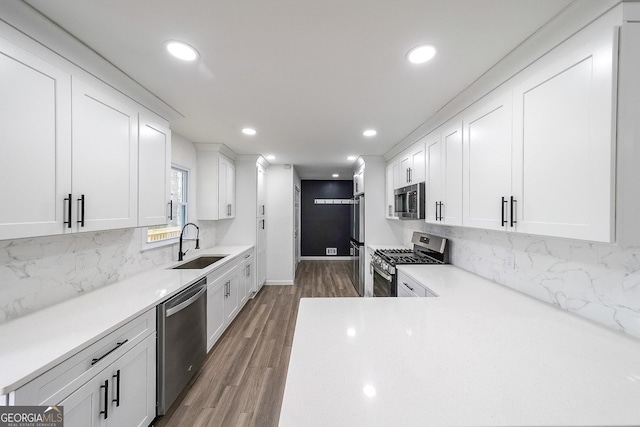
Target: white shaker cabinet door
x: 133, y: 386
x: 35, y: 145
x: 216, y: 291
x: 85, y: 407
x: 153, y: 173
x: 563, y: 149
x: 451, y: 209
x: 487, y: 158
x: 434, y: 197
x: 105, y: 160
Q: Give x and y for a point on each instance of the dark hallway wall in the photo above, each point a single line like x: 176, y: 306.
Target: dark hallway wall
x: 324, y: 226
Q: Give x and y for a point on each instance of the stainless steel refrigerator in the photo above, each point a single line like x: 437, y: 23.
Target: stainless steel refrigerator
x: 357, y: 243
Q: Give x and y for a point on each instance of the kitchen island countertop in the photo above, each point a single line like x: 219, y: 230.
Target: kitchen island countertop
x: 479, y: 354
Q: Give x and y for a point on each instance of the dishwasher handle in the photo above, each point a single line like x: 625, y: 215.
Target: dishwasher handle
x: 183, y: 303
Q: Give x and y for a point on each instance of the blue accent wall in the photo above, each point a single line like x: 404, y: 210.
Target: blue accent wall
x: 324, y: 226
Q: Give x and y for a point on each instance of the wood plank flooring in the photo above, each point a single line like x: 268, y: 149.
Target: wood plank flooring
x: 242, y: 381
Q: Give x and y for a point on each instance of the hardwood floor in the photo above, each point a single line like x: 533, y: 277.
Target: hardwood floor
x: 242, y: 381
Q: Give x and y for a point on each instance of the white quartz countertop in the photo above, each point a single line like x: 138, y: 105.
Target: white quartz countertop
x: 479, y: 354
x: 34, y: 343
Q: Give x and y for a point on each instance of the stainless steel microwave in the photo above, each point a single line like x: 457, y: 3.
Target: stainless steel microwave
x: 409, y: 201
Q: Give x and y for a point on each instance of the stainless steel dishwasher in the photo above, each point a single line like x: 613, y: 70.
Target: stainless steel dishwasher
x: 182, y: 341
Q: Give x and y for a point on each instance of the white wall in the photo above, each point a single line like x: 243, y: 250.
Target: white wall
x: 279, y: 207
x: 38, y: 272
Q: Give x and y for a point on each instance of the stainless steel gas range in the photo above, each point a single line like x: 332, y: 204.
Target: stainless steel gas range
x: 427, y: 249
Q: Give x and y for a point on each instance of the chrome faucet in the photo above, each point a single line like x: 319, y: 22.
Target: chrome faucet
x: 197, y: 239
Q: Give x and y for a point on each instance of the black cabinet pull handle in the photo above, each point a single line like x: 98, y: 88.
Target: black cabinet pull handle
x: 513, y: 214
x: 404, y: 283
x: 69, y: 202
x: 170, y: 210
x: 81, y: 220
x: 106, y: 399
x: 117, y: 378
x: 118, y: 345
x: 503, y: 221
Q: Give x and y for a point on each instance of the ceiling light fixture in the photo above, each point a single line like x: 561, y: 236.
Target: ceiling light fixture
x: 182, y: 50
x: 270, y: 157
x: 351, y: 158
x: 421, y: 54
x: 249, y: 131
x: 369, y: 132
x: 335, y: 175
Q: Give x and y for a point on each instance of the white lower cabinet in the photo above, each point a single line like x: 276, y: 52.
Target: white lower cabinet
x: 246, y: 285
x: 227, y: 292
x: 123, y: 394
x: 112, y: 382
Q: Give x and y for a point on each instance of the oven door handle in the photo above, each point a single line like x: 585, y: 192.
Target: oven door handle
x: 384, y: 275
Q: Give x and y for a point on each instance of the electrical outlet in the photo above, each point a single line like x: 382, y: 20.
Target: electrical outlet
x: 350, y: 251
x: 81, y: 262
x: 509, y: 260
x: 332, y: 251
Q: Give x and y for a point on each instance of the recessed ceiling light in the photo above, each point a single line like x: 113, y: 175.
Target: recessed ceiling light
x: 181, y: 50
x: 270, y: 157
x: 335, y: 175
x: 369, y: 132
x: 249, y: 131
x: 351, y: 158
x: 421, y: 54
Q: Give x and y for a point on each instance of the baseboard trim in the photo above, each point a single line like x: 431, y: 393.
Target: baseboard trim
x: 326, y: 258
x: 278, y: 282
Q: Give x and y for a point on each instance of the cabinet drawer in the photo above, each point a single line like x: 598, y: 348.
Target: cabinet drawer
x: 409, y: 285
x: 57, y: 383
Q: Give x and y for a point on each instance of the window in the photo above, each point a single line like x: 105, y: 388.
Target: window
x: 179, y: 202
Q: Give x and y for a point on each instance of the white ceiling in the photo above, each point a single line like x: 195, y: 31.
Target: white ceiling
x: 310, y: 76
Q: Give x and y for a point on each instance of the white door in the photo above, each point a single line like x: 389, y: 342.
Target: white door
x: 451, y: 208
x: 105, y: 160
x: 389, y: 210
x: 487, y: 160
x: 133, y: 386
x: 35, y: 142
x: 85, y: 407
x: 261, y: 190
x: 230, y: 189
x: 224, y: 208
x: 216, y: 291
x: 435, y: 183
x: 417, y: 173
x: 154, y: 162
x: 231, y: 301
x: 563, y: 149
x: 398, y: 180
x: 405, y: 169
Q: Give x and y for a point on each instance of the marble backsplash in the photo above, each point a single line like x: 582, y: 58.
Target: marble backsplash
x: 598, y: 281
x: 38, y: 272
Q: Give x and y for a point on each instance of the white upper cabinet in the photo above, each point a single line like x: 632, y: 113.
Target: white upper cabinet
x: 450, y: 209
x: 153, y: 172
x: 563, y: 150
x: 444, y: 174
x: 435, y: 176
x: 261, y: 190
x: 105, y: 160
x: 412, y: 166
x: 358, y: 181
x: 390, y: 196
x: 215, y: 185
x: 35, y: 142
x: 487, y: 144
x: 226, y: 189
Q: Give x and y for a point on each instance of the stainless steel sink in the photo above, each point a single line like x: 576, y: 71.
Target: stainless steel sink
x: 199, y: 263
